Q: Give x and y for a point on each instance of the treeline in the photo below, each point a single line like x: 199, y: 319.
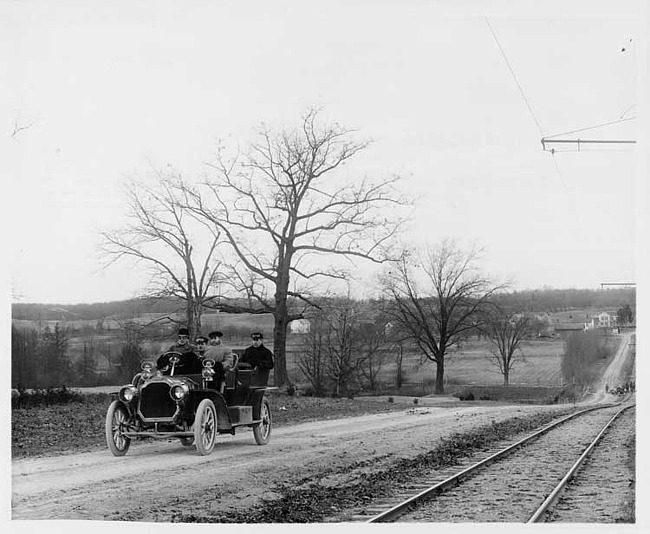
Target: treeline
x: 556, y: 300
x: 92, y: 312
x: 538, y: 300
x: 43, y: 359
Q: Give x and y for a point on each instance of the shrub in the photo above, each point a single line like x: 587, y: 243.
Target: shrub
x: 47, y: 397
x: 465, y: 395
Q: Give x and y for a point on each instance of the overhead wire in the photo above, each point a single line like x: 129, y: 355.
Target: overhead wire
x: 591, y: 127
x: 523, y: 95
x: 512, y: 72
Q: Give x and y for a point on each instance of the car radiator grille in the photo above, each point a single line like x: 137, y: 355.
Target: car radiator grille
x: 155, y: 401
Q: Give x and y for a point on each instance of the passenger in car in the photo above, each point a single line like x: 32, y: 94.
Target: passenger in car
x: 201, y: 343
x: 259, y: 358
x: 222, y: 355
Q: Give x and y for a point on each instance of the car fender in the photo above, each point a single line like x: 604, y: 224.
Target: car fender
x: 223, y: 420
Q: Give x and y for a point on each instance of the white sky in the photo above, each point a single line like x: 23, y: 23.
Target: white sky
x: 108, y: 88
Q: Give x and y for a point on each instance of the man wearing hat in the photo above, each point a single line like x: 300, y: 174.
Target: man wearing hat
x: 189, y: 363
x: 259, y: 358
x: 182, y: 344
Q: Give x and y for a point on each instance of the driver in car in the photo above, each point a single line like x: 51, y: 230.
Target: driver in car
x: 189, y: 362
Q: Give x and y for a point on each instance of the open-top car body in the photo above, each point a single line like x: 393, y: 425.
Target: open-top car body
x: 177, y: 399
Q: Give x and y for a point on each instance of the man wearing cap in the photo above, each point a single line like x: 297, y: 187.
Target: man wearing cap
x: 259, y: 358
x: 201, y: 343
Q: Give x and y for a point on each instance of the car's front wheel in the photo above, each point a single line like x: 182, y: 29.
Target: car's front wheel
x: 205, y: 427
x: 117, y: 419
x: 262, y: 430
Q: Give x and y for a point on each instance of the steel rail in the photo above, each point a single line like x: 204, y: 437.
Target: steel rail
x: 394, y: 512
x: 554, y: 495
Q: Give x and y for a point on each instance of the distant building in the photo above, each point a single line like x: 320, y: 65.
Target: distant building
x: 602, y: 320
x: 299, y: 326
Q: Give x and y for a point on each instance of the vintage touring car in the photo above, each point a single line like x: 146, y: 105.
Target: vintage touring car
x: 193, y: 407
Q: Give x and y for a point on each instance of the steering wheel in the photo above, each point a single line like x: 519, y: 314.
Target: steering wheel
x: 168, y: 358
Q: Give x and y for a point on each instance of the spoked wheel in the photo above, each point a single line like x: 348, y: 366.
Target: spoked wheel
x: 262, y: 430
x: 205, y: 427
x: 187, y: 442
x: 117, y: 419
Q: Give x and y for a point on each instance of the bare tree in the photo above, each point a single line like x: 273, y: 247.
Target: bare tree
x: 285, y: 211
x: 439, y: 298
x: 506, y: 331
x: 312, y: 361
x: 343, y: 346
x: 86, y: 364
x: 373, y: 347
x: 160, y: 234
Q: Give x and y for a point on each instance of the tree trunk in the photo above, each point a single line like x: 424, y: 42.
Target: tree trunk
x: 506, y: 377
x: 189, y: 318
x: 440, y: 375
x: 280, y: 376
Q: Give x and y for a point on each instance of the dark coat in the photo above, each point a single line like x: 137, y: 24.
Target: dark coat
x: 258, y: 357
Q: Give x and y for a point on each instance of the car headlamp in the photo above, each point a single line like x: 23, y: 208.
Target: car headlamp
x: 147, y: 366
x: 207, y: 373
x: 127, y: 393
x: 179, y: 391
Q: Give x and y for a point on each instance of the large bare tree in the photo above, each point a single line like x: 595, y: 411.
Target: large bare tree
x: 439, y: 297
x: 286, y: 208
x: 160, y: 235
x: 506, y: 331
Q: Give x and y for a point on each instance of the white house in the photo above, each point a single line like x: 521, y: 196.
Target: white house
x: 299, y: 326
x: 604, y: 320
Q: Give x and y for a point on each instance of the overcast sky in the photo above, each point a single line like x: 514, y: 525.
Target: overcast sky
x: 94, y: 93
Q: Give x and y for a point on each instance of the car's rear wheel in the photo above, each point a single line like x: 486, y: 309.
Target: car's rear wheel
x: 117, y: 419
x: 205, y: 427
x: 262, y: 430
x: 187, y: 442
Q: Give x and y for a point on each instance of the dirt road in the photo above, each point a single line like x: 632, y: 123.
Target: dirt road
x: 612, y: 376
x: 155, y: 479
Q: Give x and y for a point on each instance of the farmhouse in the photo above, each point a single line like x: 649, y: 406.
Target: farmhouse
x: 602, y: 320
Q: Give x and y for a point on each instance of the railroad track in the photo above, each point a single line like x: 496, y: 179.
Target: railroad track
x: 516, y: 483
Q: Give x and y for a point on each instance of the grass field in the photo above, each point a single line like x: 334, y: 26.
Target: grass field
x: 539, y: 366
